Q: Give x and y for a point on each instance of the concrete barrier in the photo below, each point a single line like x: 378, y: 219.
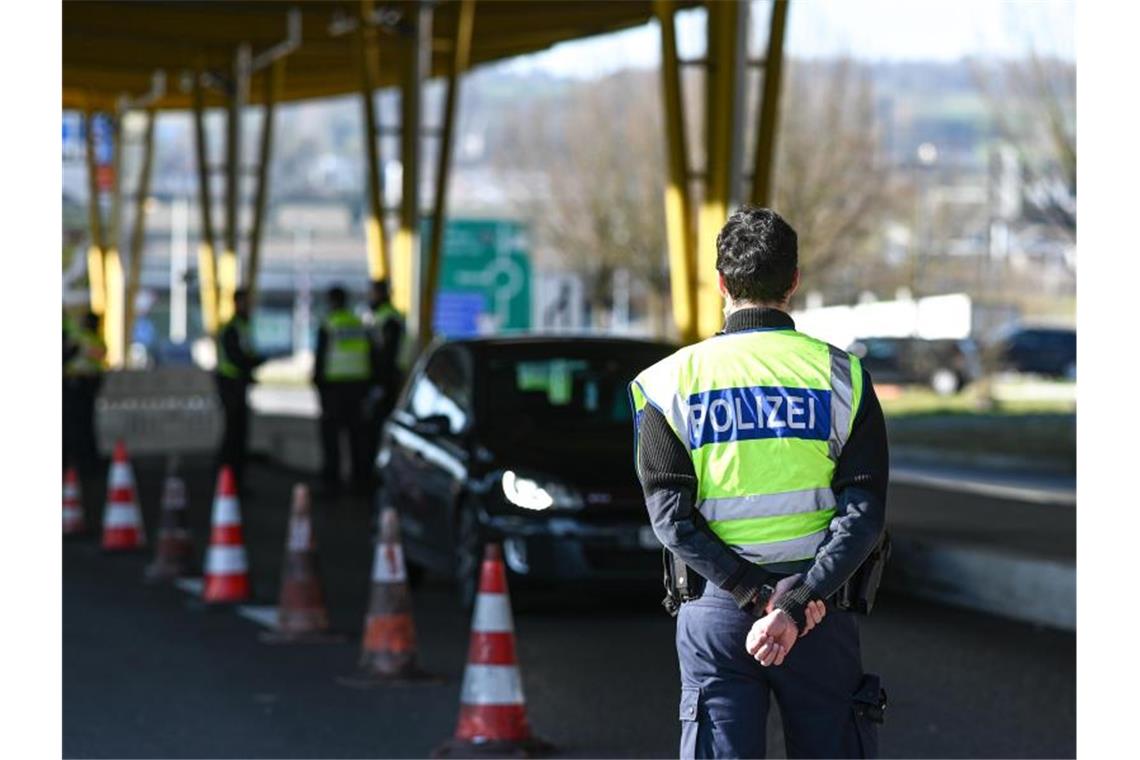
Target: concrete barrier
x: 1030, y: 589
x: 160, y: 411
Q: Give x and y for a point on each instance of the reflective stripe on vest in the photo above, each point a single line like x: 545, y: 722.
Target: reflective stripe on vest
x: 764, y: 415
x: 88, y: 360
x: 226, y: 365
x: 347, y: 357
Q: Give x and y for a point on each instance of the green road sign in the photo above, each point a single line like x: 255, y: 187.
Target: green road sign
x: 485, y: 276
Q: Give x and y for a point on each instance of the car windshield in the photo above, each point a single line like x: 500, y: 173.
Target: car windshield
x: 563, y: 386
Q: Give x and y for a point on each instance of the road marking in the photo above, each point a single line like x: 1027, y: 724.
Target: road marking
x: 264, y: 615
x: 1056, y: 496
x: 190, y: 585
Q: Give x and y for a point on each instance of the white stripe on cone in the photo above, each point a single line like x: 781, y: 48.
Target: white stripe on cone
x: 492, y: 614
x: 121, y: 476
x: 492, y: 685
x: 226, y: 511
x: 225, y: 560
x: 300, y: 531
x: 388, y: 564
x: 122, y: 516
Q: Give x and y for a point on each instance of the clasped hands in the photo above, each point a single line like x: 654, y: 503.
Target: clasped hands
x: 773, y: 636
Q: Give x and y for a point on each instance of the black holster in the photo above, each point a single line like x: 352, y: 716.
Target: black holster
x: 858, y: 593
x: 682, y: 583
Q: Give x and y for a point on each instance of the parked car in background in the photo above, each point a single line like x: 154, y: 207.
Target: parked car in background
x: 947, y: 366
x: 1047, y: 351
x: 527, y: 441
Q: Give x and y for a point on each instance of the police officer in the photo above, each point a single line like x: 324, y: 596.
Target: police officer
x: 234, y: 375
x: 386, y: 325
x: 84, y: 354
x: 341, y: 372
x: 762, y: 454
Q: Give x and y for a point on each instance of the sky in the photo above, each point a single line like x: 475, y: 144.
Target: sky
x: 894, y: 30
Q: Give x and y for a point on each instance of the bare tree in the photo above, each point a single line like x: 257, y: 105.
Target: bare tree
x: 831, y: 181
x: 588, y: 166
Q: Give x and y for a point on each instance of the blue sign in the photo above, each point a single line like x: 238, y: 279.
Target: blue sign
x: 745, y: 414
x: 457, y: 313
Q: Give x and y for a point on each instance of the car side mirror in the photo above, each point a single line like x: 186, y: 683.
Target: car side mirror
x: 433, y: 424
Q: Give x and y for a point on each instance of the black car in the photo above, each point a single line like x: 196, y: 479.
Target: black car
x: 1048, y: 351
x: 528, y: 441
x: 946, y: 366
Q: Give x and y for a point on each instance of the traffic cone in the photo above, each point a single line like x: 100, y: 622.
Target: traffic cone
x: 388, y: 651
x: 492, y: 708
x: 73, y: 523
x: 173, y: 556
x: 226, y: 570
x: 301, y: 613
x: 122, y: 519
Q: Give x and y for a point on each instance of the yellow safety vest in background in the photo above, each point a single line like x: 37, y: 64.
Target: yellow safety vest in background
x: 348, y: 355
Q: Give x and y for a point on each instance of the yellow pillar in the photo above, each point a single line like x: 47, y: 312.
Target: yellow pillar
x: 376, y: 241
x: 274, y: 80
x: 228, y: 264
x: 138, y: 233
x: 95, y: 278
x: 207, y: 269
x: 407, y: 237
x: 113, y: 311
x: 461, y: 54
x: 769, y: 107
x: 678, y: 203
x: 720, y: 85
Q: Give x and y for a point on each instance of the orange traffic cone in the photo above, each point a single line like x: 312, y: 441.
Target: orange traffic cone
x: 173, y: 554
x: 388, y: 651
x: 73, y: 523
x: 122, y: 519
x: 301, y: 613
x: 226, y: 570
x: 492, y: 708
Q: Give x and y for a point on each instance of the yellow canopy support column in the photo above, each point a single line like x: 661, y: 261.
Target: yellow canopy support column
x: 417, y: 50
x: 461, y: 55
x: 761, y: 194
x: 678, y: 202
x: 113, y: 311
x: 375, y: 237
x: 274, y: 79
x: 95, y: 277
x: 228, y: 272
x: 207, y: 262
x: 720, y: 102
x: 138, y: 233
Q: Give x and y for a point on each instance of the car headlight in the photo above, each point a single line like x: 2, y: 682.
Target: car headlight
x: 536, y: 495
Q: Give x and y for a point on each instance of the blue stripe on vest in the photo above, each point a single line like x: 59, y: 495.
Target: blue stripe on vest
x: 746, y: 414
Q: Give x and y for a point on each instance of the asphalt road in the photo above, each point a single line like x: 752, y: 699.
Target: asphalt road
x: 149, y: 672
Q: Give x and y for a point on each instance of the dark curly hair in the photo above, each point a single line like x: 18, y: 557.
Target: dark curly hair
x: 757, y: 253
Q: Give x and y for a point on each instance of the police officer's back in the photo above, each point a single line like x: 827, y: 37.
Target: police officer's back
x: 233, y: 376
x: 762, y: 454
x: 341, y: 373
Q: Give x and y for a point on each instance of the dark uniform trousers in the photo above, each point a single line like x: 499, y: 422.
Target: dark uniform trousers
x: 725, y: 692
x: 235, y: 406
x: 79, y: 395
x: 343, y: 409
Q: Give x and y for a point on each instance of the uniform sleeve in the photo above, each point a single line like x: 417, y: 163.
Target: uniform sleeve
x: 860, y: 484
x: 391, y: 334
x: 670, y: 485
x: 245, y: 361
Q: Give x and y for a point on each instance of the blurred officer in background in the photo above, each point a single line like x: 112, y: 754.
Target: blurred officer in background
x: 386, y: 326
x: 342, y: 370
x: 84, y: 357
x: 234, y: 374
x: 762, y: 453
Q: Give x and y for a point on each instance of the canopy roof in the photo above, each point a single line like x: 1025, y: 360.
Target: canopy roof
x: 114, y: 47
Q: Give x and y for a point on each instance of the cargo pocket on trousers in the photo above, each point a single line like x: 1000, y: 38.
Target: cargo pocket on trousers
x: 690, y: 722
x: 869, y: 704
